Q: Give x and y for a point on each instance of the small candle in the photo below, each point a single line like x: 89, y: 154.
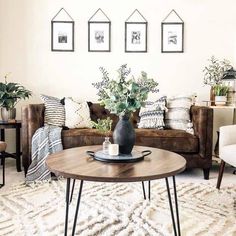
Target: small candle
x: 113, y: 149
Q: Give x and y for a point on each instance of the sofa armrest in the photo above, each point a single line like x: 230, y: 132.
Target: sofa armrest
x: 32, y: 118
x: 202, y: 118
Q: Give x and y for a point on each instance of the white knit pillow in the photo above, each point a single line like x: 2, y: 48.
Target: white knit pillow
x: 178, y: 114
x: 77, y: 114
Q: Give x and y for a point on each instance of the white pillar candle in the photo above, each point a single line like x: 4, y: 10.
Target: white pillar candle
x: 113, y: 149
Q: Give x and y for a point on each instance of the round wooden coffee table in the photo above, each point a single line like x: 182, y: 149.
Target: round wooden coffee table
x: 75, y: 163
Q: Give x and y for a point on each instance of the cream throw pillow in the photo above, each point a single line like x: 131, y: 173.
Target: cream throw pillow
x: 77, y: 114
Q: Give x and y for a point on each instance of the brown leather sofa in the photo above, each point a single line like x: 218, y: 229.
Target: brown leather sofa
x: 196, y: 149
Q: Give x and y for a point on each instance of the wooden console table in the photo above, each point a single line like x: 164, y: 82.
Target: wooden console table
x: 13, y: 125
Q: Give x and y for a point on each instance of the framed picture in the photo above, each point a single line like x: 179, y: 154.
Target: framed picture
x: 172, y: 35
x: 99, y: 36
x: 62, y: 36
x: 135, y: 36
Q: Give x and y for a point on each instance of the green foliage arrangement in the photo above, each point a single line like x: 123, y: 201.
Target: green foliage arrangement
x: 11, y: 93
x: 214, y: 72
x: 103, y: 125
x: 125, y: 94
x: 220, y: 90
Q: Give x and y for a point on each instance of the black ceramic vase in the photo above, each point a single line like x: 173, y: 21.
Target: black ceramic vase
x: 124, y: 135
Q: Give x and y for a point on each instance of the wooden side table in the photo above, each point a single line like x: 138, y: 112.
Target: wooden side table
x: 13, y: 125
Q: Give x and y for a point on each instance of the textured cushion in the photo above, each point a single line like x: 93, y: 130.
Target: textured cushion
x: 54, y: 111
x: 77, y: 114
x: 152, y: 115
x: 178, y: 114
x: 228, y: 154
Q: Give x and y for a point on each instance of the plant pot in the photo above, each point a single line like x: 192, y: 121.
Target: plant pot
x: 124, y: 135
x: 220, y: 100
x: 8, y: 114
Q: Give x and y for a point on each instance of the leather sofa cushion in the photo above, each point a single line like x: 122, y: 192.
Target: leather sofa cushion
x: 173, y: 140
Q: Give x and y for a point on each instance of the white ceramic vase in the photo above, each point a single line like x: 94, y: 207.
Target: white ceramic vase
x: 9, y: 114
x: 220, y: 100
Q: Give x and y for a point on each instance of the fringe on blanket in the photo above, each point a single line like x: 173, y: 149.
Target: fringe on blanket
x: 45, y: 141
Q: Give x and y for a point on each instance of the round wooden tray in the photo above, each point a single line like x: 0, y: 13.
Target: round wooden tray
x: 121, y: 158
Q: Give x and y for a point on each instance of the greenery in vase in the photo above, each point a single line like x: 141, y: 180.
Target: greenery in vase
x: 220, y: 90
x: 11, y: 93
x: 103, y: 126
x: 214, y: 72
x: 125, y: 94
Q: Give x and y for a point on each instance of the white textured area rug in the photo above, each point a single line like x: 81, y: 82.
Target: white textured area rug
x: 117, y: 209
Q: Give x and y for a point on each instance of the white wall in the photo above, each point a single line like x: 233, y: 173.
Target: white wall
x: 25, y: 45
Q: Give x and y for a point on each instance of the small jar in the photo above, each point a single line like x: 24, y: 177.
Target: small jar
x: 105, y: 145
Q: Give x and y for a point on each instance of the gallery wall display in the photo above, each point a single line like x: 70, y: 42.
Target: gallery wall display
x: 172, y: 35
x: 136, y: 33
x: 99, y: 32
x: 62, y: 33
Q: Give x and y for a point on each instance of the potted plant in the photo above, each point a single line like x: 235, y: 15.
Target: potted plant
x: 220, y: 92
x: 104, y: 127
x: 10, y: 95
x: 123, y: 96
x: 213, y: 74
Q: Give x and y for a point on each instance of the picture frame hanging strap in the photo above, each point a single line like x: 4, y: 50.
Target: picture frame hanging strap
x: 99, y: 9
x: 175, y: 14
x: 62, y: 9
x: 136, y: 10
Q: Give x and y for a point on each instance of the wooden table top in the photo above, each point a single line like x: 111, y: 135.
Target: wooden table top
x: 76, y: 164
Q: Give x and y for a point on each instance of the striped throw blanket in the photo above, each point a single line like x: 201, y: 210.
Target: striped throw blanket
x: 46, y: 140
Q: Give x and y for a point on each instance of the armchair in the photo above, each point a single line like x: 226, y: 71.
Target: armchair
x: 227, y: 149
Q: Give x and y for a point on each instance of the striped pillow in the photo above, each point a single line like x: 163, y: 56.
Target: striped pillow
x: 178, y: 114
x: 54, y: 111
x: 152, y: 115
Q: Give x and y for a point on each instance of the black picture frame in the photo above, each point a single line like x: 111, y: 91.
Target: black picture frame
x: 140, y: 47
x: 170, y: 44
x: 102, y: 42
x: 62, y: 41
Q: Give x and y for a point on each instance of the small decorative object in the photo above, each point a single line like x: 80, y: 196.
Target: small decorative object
x: 113, y: 149
x: 172, y: 33
x: 123, y: 96
x: 10, y: 94
x: 213, y: 76
x: 62, y: 32
x: 104, y: 127
x: 220, y: 92
x: 99, y: 32
x: 190, y: 129
x: 136, y: 33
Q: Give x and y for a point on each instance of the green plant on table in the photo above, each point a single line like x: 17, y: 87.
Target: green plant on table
x: 220, y: 90
x: 124, y: 94
x: 103, y: 125
x: 11, y: 93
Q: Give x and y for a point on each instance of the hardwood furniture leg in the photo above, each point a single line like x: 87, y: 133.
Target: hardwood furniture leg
x: 206, y: 173
x: 18, y: 153
x: 221, y: 171
x: 67, y: 205
x: 77, y: 207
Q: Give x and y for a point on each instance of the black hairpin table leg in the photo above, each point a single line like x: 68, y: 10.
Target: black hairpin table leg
x: 72, y: 190
x: 144, y: 194
x: 67, y: 204
x: 149, y: 190
x: 171, y: 207
x: 77, y: 207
